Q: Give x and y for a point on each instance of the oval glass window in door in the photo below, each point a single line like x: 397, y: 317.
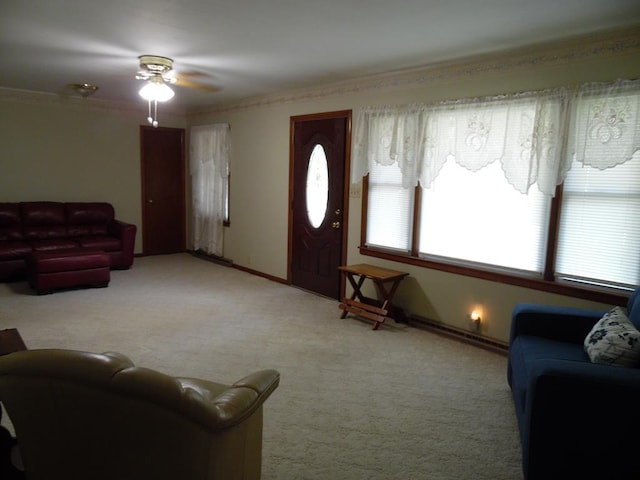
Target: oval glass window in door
x: 317, y: 186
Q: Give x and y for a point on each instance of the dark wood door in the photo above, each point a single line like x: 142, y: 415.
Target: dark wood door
x: 163, y: 190
x: 318, y: 181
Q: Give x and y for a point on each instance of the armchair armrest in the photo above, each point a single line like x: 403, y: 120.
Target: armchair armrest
x: 263, y: 382
x: 244, y: 397
x: 213, y: 405
x: 565, y: 324
x: 219, y: 407
x: 573, y: 410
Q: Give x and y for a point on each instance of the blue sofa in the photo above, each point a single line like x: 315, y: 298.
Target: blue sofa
x: 577, y: 419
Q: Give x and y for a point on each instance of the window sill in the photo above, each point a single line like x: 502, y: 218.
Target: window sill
x: 602, y: 295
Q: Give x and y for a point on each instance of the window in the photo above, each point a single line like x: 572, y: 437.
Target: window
x: 454, y: 224
x: 599, y: 239
x: 471, y: 186
x: 209, y: 168
x: 392, y: 210
x: 317, y: 191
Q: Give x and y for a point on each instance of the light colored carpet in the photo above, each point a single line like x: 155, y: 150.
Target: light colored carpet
x: 397, y: 403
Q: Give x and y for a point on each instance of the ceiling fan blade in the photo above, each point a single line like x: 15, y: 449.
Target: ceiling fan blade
x: 180, y: 81
x: 153, y: 67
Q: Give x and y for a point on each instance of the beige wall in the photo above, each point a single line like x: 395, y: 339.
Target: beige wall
x: 86, y: 151
x: 67, y: 150
x: 257, y: 237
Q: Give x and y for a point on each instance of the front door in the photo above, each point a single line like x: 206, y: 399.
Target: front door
x: 319, y: 171
x: 163, y: 190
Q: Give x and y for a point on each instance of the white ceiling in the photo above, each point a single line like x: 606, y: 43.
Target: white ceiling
x: 256, y: 47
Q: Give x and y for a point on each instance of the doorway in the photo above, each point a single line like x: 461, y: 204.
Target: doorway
x: 162, y: 153
x: 318, y: 198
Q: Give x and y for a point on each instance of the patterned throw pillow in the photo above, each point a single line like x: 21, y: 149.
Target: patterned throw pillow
x: 614, y: 340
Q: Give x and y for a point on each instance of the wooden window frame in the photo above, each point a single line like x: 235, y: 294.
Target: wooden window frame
x: 546, y: 282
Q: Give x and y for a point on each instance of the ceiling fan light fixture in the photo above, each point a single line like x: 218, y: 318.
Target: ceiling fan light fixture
x: 156, y: 90
x: 155, y: 71
x: 155, y: 64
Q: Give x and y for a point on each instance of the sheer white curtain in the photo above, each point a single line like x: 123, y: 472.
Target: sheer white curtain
x: 389, y: 136
x: 209, y: 168
x: 605, y: 131
x: 524, y: 132
x: 599, y: 236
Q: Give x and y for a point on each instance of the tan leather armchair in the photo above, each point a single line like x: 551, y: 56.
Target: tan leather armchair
x: 80, y: 415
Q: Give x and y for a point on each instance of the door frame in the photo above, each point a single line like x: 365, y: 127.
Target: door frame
x: 182, y: 186
x: 346, y: 114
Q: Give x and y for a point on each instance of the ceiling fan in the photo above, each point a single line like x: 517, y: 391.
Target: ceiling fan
x: 161, y: 68
x: 157, y: 72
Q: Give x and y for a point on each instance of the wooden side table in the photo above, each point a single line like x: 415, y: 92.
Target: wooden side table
x: 358, y: 304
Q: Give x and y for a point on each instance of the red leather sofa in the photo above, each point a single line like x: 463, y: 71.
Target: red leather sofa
x: 27, y: 227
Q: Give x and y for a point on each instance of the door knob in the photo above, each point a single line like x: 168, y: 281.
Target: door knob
x: 150, y: 201
x: 338, y: 211
x: 335, y: 224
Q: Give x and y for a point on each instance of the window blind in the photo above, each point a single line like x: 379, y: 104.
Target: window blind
x: 599, y: 237
x: 389, y: 223
x: 480, y: 217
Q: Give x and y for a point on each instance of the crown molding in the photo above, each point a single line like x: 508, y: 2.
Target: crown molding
x: 564, y: 52
x: 46, y: 99
x: 575, y: 49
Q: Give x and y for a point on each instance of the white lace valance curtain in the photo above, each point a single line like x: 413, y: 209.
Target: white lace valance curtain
x: 605, y: 129
x: 525, y: 132
x: 522, y: 132
x: 209, y: 167
x: 388, y: 136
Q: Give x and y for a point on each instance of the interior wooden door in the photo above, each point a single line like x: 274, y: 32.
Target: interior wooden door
x: 319, y: 170
x: 163, y: 189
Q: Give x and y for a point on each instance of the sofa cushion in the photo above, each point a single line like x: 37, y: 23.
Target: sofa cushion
x: 88, y: 218
x: 10, y: 221
x: 43, y: 220
x: 526, y: 350
x: 614, y: 340
x: 14, y: 250
x: 99, y: 242
x: 53, y: 244
x: 43, y: 213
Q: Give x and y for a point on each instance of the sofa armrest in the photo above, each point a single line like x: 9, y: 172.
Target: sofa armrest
x: 126, y: 232
x: 566, y: 324
x: 594, y: 376
x: 573, y: 411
